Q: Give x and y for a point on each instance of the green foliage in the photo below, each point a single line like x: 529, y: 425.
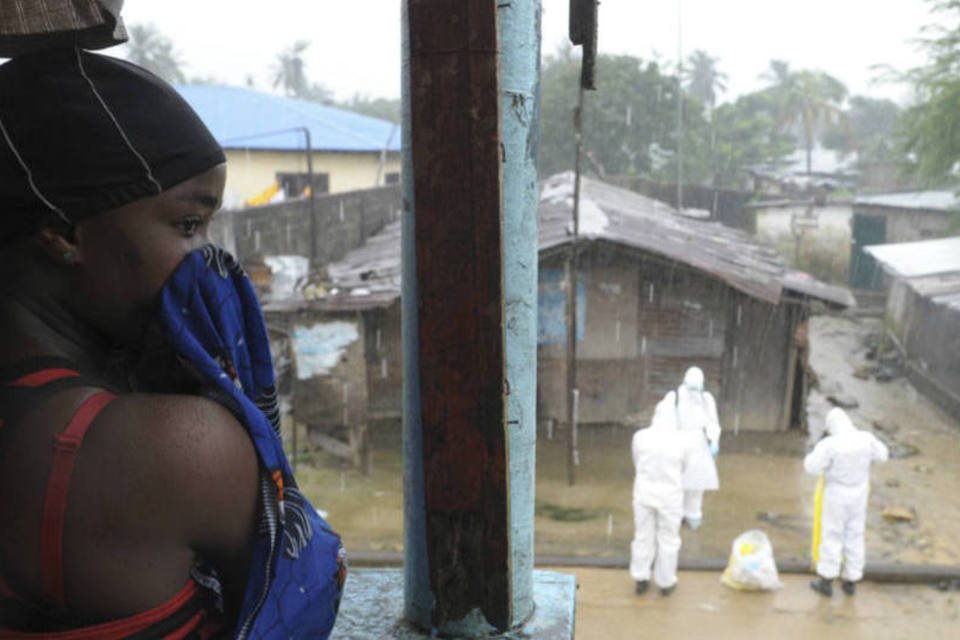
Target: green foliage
x: 747, y: 135
x: 868, y: 130
x: 634, y: 108
x: 388, y: 109
x: 704, y: 81
x: 931, y: 127
x: 153, y: 51
x: 630, y: 122
x: 806, y: 102
x: 289, y: 73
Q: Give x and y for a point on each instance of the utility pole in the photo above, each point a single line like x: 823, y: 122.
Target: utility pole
x: 582, y: 31
x: 679, y: 105
x: 571, y: 268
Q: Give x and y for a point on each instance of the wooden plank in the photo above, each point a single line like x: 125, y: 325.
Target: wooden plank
x: 455, y: 138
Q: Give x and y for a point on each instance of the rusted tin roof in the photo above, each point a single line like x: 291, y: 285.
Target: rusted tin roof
x: 615, y: 215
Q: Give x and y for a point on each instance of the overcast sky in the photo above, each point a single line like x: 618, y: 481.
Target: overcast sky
x: 356, y: 43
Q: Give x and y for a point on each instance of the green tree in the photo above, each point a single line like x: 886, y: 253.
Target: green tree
x: 807, y: 102
x: 747, y: 136
x: 383, y: 108
x: 703, y: 79
x: 632, y: 112
x: 289, y: 73
x: 930, y: 128
x: 155, y: 52
x: 868, y: 130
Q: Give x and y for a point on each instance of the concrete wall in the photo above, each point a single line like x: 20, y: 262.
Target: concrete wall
x: 910, y: 225
x: 344, y: 221
x: 823, y: 251
x: 384, y: 353
x: 249, y: 172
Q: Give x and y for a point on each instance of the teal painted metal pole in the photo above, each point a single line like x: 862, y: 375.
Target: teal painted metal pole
x: 520, y: 133
x: 418, y: 599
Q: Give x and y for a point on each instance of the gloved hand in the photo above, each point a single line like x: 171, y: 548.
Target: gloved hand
x: 714, y: 448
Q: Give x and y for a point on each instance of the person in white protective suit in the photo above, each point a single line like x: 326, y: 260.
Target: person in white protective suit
x: 659, y: 453
x: 696, y: 416
x: 843, y: 456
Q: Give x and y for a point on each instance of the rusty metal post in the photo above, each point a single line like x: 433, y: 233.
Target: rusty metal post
x: 457, y: 387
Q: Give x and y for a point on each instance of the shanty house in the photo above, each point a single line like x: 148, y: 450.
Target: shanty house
x: 657, y: 292
x: 923, y: 313
x: 895, y: 218
x: 266, y: 138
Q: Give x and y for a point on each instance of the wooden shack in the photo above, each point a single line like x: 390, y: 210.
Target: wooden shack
x: 657, y: 292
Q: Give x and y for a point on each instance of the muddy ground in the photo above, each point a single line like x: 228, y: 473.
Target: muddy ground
x: 763, y: 484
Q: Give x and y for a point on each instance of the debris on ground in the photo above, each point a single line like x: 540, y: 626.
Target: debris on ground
x: 893, y: 483
x: 884, y: 426
x: 864, y: 372
x: 896, y: 513
x: 843, y: 401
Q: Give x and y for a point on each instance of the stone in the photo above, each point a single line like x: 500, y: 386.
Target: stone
x: 896, y: 513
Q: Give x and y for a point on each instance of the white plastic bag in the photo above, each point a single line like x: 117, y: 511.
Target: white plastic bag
x: 751, y: 566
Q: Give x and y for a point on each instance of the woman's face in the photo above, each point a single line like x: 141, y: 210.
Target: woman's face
x: 125, y: 256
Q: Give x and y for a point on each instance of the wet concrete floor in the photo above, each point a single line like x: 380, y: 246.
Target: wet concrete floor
x: 701, y: 607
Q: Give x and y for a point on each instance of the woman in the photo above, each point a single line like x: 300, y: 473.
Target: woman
x: 164, y: 506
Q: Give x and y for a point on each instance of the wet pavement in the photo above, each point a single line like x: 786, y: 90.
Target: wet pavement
x: 701, y: 607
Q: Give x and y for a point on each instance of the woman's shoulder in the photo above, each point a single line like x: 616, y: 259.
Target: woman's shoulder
x: 173, y: 444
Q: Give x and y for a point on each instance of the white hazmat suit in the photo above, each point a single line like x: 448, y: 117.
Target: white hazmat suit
x: 658, y: 458
x: 696, y: 417
x: 843, y: 457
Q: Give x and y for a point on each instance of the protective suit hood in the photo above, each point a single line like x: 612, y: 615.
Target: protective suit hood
x: 837, y: 422
x: 693, y: 379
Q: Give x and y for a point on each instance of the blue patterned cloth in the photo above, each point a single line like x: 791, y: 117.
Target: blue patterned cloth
x: 212, y: 318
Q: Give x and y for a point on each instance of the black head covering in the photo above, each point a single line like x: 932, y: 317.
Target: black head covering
x: 82, y: 133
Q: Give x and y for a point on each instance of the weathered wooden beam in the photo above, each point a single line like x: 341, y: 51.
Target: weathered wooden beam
x: 456, y: 150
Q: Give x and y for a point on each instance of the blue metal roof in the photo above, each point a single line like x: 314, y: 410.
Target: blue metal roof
x: 242, y: 118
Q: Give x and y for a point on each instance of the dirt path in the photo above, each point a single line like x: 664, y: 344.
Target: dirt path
x: 925, y: 482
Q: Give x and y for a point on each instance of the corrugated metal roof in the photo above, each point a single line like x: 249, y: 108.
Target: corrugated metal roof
x: 628, y: 218
x: 805, y: 284
x: 624, y: 218
x: 239, y: 118
x: 926, y: 200
x: 912, y: 259
x: 942, y: 289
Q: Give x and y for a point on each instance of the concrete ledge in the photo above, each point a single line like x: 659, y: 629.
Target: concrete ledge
x: 372, y: 607
x: 875, y: 571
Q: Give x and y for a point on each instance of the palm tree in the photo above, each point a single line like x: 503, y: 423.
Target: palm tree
x: 153, y: 51
x: 810, y: 99
x: 289, y: 72
x: 777, y: 72
x: 704, y: 81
